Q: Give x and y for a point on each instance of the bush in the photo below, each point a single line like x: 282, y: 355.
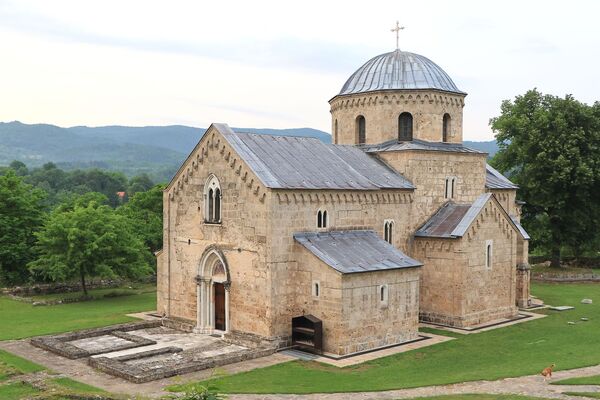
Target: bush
x: 201, y: 393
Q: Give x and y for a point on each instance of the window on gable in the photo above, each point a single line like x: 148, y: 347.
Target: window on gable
x: 488, y: 254
x: 212, y: 200
x: 316, y: 289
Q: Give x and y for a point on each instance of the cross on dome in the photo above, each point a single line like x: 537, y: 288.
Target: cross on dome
x: 397, y: 29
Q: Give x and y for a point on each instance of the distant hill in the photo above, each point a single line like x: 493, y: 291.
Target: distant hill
x: 490, y: 147
x: 156, y: 150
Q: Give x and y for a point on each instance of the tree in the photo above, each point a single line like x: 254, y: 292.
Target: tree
x: 19, y: 167
x: 85, y: 240
x: 21, y: 215
x: 145, y: 214
x: 550, y: 147
x: 139, y: 183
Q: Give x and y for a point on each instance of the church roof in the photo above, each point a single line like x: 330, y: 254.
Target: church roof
x: 417, y: 144
x: 399, y: 70
x: 452, y: 220
x: 354, y: 251
x: 289, y: 162
x: 495, y: 180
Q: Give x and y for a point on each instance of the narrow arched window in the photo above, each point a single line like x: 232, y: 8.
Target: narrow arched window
x: 383, y: 295
x: 211, y: 205
x: 446, y: 127
x: 212, y: 200
x: 316, y: 292
x: 324, y: 219
x: 361, y: 130
x: 450, y: 187
x: 335, y: 132
x: 319, y: 219
x: 405, y: 127
x: 488, y: 254
x: 217, y: 215
x: 388, y: 228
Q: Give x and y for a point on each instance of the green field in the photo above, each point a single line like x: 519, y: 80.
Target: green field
x: 516, y: 350
x: 584, y: 395
x: 27, y: 320
x: 478, y: 397
x: 586, y: 380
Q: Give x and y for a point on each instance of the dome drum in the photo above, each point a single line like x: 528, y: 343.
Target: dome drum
x: 392, y: 84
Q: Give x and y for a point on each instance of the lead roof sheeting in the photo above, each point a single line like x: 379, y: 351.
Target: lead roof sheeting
x: 470, y: 215
x: 417, y: 144
x: 399, y: 70
x: 288, y: 162
x: 522, y: 230
x: 495, y: 180
x: 452, y: 220
x: 443, y: 222
x: 354, y: 251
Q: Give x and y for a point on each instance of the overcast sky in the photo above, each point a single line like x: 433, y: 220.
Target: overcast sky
x: 276, y: 64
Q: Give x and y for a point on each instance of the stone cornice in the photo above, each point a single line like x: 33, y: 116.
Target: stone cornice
x: 344, y: 196
x: 398, y: 97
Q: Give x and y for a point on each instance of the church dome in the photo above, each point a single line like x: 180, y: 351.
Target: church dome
x: 399, y: 70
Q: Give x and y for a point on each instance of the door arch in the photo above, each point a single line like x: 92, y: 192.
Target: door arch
x: 213, y: 284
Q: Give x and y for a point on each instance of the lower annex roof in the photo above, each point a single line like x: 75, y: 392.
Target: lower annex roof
x: 354, y: 251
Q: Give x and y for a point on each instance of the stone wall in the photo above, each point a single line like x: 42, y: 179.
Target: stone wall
x: 507, y: 198
x: 428, y: 170
x: 354, y: 318
x: 241, y: 237
x: 367, y: 322
x: 457, y: 288
x: 381, y: 111
x: 296, y: 211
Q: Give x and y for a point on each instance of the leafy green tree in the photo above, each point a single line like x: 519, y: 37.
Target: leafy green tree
x: 21, y: 215
x: 145, y: 214
x: 19, y: 167
x: 139, y: 183
x: 105, y: 182
x: 88, y: 240
x: 550, y: 147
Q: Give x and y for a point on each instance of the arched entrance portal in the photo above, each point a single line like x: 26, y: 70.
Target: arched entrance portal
x: 213, y: 292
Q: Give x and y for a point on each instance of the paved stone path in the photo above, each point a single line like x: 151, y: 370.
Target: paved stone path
x: 532, y: 385
x: 79, y: 370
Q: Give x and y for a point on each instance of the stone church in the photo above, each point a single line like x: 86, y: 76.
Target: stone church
x: 394, y: 223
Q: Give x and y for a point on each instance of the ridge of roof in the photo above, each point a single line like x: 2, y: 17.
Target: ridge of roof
x: 296, y: 162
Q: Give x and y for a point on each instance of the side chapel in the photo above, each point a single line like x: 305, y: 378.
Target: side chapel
x: 394, y: 223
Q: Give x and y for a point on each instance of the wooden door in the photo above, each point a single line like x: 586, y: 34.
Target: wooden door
x: 219, y: 306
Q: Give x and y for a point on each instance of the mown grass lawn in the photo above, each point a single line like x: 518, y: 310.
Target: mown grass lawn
x: 12, y: 365
x: 584, y: 395
x: 586, y: 380
x: 478, y: 397
x: 516, y: 350
x: 21, y: 320
x: 18, y: 368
